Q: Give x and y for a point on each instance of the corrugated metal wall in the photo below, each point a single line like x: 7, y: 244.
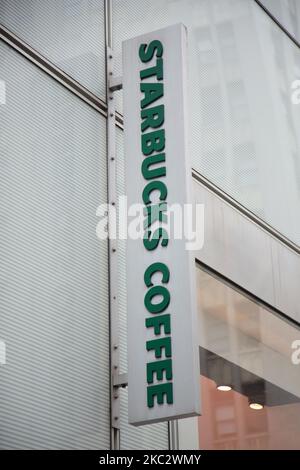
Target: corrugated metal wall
x: 54, y: 387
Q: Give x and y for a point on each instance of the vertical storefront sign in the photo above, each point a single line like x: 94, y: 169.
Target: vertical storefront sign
x: 163, y: 363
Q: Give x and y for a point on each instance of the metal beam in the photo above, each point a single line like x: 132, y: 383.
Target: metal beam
x: 52, y: 70
x: 112, y: 247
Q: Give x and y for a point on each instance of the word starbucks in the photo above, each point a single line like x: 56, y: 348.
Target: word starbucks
x: 155, y: 237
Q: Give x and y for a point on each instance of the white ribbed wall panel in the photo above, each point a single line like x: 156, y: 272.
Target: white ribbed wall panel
x: 122, y: 298
x: 149, y: 437
x: 69, y: 33
x: 54, y: 388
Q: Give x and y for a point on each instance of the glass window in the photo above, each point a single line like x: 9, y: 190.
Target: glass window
x: 250, y: 381
x: 54, y: 384
x: 241, y: 69
x: 69, y: 33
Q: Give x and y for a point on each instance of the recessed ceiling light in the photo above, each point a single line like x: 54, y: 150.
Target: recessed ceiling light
x: 256, y: 406
x: 224, y: 388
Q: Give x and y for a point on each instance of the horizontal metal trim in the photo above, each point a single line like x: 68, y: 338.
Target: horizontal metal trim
x: 249, y: 295
x: 44, y: 64
x: 119, y: 120
x: 265, y: 9
x: 74, y: 86
x: 250, y: 215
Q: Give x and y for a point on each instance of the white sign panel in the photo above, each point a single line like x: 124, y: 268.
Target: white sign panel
x: 163, y: 362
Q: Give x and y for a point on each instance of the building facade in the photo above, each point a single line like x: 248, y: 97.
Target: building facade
x: 63, y: 355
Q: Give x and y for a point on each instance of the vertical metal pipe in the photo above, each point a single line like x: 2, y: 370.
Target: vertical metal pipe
x: 173, y: 435
x: 108, y: 23
x: 112, y: 244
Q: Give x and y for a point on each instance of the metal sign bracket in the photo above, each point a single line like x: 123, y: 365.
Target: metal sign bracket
x: 116, y: 380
